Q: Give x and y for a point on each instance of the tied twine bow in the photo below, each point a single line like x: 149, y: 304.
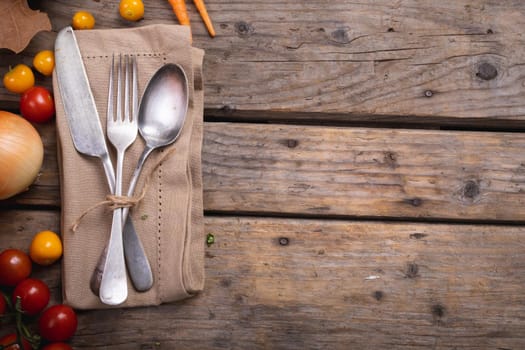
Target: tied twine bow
x: 115, y: 202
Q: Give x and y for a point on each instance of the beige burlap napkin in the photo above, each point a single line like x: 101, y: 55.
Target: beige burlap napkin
x: 169, y: 219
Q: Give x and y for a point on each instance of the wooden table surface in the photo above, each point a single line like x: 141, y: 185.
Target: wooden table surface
x: 364, y: 177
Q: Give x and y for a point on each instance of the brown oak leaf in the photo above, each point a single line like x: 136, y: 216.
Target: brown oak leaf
x: 20, y: 24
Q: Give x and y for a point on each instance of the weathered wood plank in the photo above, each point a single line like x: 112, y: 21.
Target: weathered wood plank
x: 354, y: 172
x: 447, y: 62
x: 328, y: 284
x: 363, y: 172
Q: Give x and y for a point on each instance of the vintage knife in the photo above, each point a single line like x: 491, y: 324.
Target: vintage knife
x: 88, y: 138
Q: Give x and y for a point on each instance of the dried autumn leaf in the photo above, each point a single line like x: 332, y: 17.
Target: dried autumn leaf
x: 20, y: 24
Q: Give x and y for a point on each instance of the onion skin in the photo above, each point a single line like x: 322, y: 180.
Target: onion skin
x: 21, y: 154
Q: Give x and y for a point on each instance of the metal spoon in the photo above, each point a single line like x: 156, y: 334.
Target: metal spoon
x: 162, y: 114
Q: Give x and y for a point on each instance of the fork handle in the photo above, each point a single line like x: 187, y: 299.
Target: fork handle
x: 114, y: 286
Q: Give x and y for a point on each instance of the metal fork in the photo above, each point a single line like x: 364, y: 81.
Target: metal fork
x: 121, y: 132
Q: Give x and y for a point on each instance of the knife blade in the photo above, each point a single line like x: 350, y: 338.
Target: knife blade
x: 88, y: 138
x: 79, y: 104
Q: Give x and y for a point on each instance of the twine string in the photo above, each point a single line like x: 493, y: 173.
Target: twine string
x: 115, y: 202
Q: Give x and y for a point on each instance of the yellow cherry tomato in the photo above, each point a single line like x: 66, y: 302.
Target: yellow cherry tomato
x: 44, y: 62
x: 45, y: 248
x: 132, y: 10
x: 19, y: 79
x: 83, y: 20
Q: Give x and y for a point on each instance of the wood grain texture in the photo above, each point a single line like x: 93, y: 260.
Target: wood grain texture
x: 363, y: 172
x: 296, y: 284
x: 351, y: 172
x: 447, y: 62
x: 324, y: 277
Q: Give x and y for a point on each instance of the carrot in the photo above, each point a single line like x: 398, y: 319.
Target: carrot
x: 179, y: 8
x: 205, y: 17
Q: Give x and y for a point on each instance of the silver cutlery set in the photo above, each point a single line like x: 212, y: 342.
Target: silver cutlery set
x: 159, y: 118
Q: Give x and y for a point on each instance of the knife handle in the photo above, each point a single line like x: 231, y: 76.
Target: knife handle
x: 96, y: 276
x: 109, y: 171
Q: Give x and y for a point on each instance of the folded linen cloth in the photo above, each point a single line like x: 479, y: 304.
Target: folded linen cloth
x: 169, y: 219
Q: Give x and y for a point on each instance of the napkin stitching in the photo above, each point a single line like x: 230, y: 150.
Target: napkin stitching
x: 159, y: 231
x: 186, y: 276
x: 145, y: 54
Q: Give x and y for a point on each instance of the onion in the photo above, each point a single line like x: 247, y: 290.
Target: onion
x: 21, y: 154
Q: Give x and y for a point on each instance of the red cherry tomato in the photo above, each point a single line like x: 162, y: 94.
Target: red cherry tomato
x: 15, y: 266
x: 37, y: 105
x: 58, y: 323
x: 34, y: 295
x: 11, y: 339
x: 57, y: 346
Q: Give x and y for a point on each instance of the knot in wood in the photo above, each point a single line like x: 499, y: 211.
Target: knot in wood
x: 340, y: 36
x: 378, y: 295
x: 412, y: 270
x: 291, y: 143
x: 243, y: 28
x: 471, y: 189
x: 390, y: 159
x: 438, y: 310
x: 487, y: 71
x: 284, y: 241
x: 415, y: 202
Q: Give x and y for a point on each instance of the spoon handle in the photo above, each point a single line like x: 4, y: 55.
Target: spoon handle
x: 136, y: 174
x: 138, y: 265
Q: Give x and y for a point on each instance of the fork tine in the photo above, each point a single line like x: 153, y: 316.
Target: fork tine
x: 135, y: 94
x: 126, y: 89
x: 119, y: 89
x: 109, y: 113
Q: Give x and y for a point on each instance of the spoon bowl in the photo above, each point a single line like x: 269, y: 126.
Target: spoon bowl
x: 164, y: 106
